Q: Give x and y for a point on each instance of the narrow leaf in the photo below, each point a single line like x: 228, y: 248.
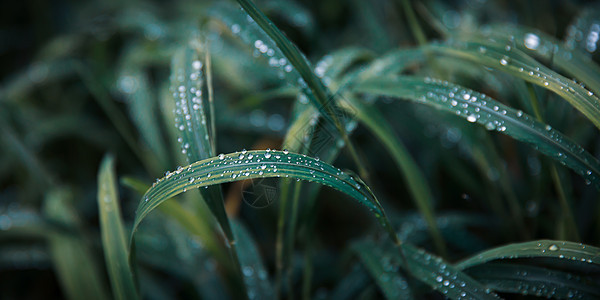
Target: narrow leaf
x: 542, y: 248
x: 481, y: 109
x: 113, y: 233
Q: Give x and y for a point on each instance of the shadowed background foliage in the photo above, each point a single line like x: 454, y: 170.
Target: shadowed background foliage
x: 432, y: 149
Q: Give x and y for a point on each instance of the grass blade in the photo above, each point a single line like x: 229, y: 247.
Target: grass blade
x: 113, y: 233
x: 255, y: 274
x: 384, y: 271
x: 76, y: 268
x: 317, y: 93
x: 257, y: 164
x: 189, y: 88
x: 518, y: 64
x: 531, y: 280
x: 543, y: 248
x: 479, y: 108
x: 532, y: 41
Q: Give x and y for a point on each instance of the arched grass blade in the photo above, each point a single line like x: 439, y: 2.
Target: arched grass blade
x: 255, y: 275
x: 537, y: 43
x: 568, y: 251
x: 384, y: 271
x: 538, y: 281
x: 516, y: 63
x: 479, y: 108
x: 74, y: 263
x: 414, y: 178
x: 114, y: 241
x: 257, y: 164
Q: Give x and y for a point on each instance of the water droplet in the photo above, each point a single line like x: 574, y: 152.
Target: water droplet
x: 267, y: 155
x: 553, y: 247
x: 532, y: 41
x: 472, y: 118
x: 221, y: 156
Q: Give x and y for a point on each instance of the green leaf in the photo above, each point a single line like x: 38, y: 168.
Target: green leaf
x: 531, y: 280
x: 443, y: 277
x: 113, y: 233
x: 427, y: 268
x: 189, y: 72
x: 516, y: 63
x: 537, y: 43
x: 257, y: 164
x: 384, y: 271
x: 255, y: 275
x: 483, y: 110
x: 76, y: 267
x: 543, y: 248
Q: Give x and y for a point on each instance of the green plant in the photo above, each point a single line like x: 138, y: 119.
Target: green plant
x: 482, y: 185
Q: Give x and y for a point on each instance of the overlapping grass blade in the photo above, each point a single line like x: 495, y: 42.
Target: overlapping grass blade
x: 257, y: 164
x: 114, y: 241
x: 532, y: 280
x: 516, y: 63
x: 429, y: 269
x: 479, y: 108
x: 414, y: 178
x: 256, y: 277
x: 319, y: 95
x: 384, y: 271
x: 563, y: 250
x: 193, y: 120
x: 75, y: 265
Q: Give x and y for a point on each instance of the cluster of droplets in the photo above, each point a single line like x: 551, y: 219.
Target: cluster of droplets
x: 584, y: 33
x: 255, y: 278
x: 253, y: 164
x: 446, y: 278
x: 321, y: 69
x: 244, y: 27
x: 477, y: 107
x: 186, y: 89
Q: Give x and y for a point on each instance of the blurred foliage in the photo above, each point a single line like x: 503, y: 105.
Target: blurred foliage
x: 485, y: 180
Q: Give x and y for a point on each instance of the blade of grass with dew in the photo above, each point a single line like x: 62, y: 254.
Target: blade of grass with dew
x: 442, y: 276
x: 189, y: 88
x: 258, y: 164
x: 532, y: 280
x: 384, y: 271
x: 479, y: 108
x: 414, y: 178
x: 516, y: 63
x: 563, y: 250
x: 114, y: 242
x: 73, y: 261
x: 431, y: 270
x: 537, y: 43
x: 255, y: 274
x: 310, y: 83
